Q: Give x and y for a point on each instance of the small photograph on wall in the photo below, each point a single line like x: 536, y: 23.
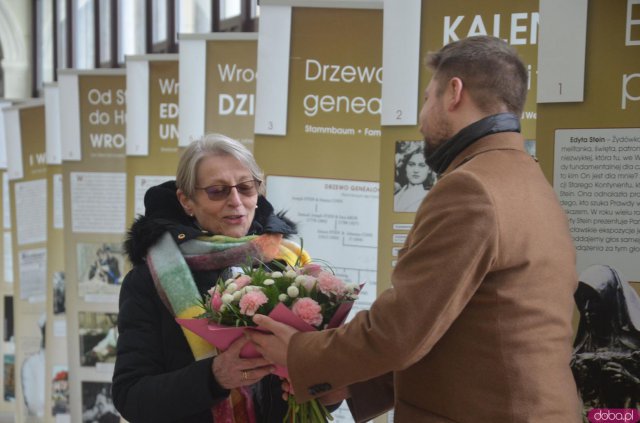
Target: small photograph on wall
x: 97, y: 403
x: 9, y: 373
x: 98, y: 334
x: 58, y: 293
x: 100, y: 268
x: 60, y: 390
x: 413, y: 178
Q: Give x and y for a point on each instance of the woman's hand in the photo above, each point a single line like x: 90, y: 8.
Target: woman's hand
x: 231, y: 371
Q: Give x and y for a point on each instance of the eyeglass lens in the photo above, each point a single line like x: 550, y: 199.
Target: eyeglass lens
x: 220, y: 192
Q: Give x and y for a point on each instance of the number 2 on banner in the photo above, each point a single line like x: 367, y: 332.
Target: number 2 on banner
x: 399, y: 114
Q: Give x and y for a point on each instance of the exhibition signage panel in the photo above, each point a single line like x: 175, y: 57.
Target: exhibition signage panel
x: 595, y: 155
x: 56, y: 374
x: 27, y: 169
x: 401, y: 147
x: 152, y: 128
x: 92, y: 118
x: 217, y: 86
x: 318, y: 108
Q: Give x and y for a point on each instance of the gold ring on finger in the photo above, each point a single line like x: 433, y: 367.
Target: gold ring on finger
x: 245, y: 375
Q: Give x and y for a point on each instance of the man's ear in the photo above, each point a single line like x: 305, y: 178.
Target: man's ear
x: 454, y: 92
x: 185, y: 202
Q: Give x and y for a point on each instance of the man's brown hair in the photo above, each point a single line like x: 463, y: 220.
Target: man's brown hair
x: 488, y: 67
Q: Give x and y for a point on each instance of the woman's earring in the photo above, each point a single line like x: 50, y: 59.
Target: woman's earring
x: 256, y: 206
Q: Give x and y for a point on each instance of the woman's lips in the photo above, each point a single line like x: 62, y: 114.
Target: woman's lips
x: 234, y: 219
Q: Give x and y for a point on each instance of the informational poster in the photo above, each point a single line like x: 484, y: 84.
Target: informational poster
x: 317, y: 127
x: 592, y: 154
x: 218, y: 85
x: 57, y: 406
x: 405, y: 178
x: 597, y: 176
x: 593, y: 159
x: 336, y: 221
x: 91, y: 213
x: 152, y: 131
x: 25, y: 131
x: 332, y: 96
x: 93, y: 117
x: 31, y: 217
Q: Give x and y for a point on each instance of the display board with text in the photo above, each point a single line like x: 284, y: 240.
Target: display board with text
x: 93, y: 116
x: 27, y: 171
x: 152, y: 129
x: 318, y: 129
x: 217, y: 85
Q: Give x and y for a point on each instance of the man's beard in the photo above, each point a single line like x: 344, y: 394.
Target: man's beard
x: 435, y: 141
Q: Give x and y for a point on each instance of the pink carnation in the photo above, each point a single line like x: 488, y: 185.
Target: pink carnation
x: 216, y: 301
x: 308, y: 310
x: 330, y: 284
x: 242, y: 281
x: 311, y: 269
x: 251, y: 302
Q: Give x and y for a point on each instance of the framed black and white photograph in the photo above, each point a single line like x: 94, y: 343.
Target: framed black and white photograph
x: 97, y: 403
x: 413, y: 177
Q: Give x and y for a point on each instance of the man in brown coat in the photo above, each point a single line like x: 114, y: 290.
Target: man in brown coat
x: 477, y: 326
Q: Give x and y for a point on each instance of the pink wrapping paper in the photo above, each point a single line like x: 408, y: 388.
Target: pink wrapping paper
x: 223, y: 336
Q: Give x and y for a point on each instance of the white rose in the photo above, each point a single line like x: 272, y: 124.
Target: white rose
x: 282, y: 297
x: 293, y: 291
x: 290, y: 274
x: 237, y: 295
x: 227, y: 298
x: 232, y: 287
x: 276, y: 275
x: 268, y: 282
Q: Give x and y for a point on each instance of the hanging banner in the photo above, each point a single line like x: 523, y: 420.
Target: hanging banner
x: 596, y: 153
x: 405, y: 177
x: 152, y: 131
x: 318, y: 129
x: 93, y: 115
x: 225, y: 65
x: 57, y: 407
x: 27, y: 169
x: 594, y: 162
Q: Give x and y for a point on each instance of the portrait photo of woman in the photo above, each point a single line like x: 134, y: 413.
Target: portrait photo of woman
x: 413, y: 177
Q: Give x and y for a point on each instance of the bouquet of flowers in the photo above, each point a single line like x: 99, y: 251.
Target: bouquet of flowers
x: 309, y: 297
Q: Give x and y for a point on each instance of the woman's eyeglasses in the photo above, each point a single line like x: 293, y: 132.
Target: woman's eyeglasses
x: 221, y: 192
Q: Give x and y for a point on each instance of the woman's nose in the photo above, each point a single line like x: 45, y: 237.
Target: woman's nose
x: 234, y: 197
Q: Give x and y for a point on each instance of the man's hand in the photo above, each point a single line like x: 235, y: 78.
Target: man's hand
x: 272, y: 347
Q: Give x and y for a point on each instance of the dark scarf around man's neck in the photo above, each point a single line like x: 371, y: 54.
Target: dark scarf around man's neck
x: 440, y: 159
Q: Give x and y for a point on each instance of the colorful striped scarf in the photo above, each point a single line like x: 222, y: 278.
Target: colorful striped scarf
x: 171, y: 267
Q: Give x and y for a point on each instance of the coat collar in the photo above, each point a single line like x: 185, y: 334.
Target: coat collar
x: 493, y: 142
